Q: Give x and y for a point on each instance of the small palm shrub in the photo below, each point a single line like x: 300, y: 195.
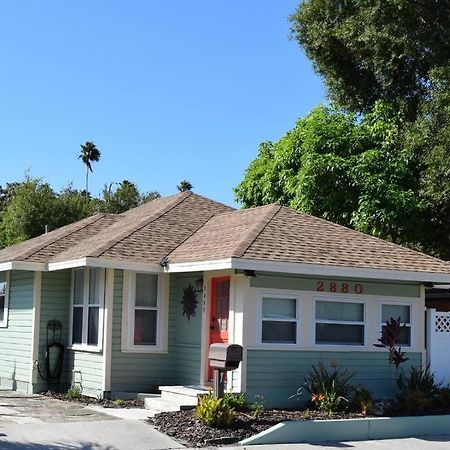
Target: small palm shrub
x: 214, y: 412
x: 419, y: 393
x: 329, y: 388
x: 74, y: 393
x: 238, y: 402
x: 362, y: 401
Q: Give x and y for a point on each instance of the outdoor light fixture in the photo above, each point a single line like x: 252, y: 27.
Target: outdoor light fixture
x: 199, y: 285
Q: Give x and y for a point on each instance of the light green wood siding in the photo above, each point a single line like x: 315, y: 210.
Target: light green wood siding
x: 277, y: 374
x: 185, y: 346
x: 134, y: 372
x: 55, y: 301
x: 86, y: 372
x: 15, y: 340
x: 144, y: 372
x: 369, y: 287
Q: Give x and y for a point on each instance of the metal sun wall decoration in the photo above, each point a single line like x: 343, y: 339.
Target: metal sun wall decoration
x: 189, y: 301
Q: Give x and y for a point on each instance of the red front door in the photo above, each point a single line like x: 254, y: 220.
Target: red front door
x: 219, y: 313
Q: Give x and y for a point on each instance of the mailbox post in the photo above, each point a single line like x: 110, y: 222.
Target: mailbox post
x: 222, y: 358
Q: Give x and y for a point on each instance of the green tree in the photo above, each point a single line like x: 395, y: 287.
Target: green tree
x: 125, y: 197
x: 369, y: 50
x: 348, y: 170
x: 28, y: 212
x: 89, y: 153
x: 184, y: 185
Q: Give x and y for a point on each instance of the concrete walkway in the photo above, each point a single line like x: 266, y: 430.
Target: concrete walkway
x: 37, y: 423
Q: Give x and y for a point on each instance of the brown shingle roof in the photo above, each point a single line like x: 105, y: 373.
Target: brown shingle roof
x: 274, y: 233
x: 144, y: 234
x: 191, y: 228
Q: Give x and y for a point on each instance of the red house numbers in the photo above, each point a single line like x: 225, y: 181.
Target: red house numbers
x: 340, y: 287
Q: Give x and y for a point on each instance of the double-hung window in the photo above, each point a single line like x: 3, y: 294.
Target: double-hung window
x: 339, y: 322
x: 88, y: 290
x: 279, y: 320
x: 144, y: 312
x: 398, y: 311
x: 4, y: 299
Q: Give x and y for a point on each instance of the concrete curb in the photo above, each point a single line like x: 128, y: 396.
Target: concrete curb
x: 293, y: 432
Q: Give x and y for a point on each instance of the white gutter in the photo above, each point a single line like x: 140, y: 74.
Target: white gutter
x: 199, y: 266
x: 105, y: 263
x: 23, y: 265
x: 341, y: 271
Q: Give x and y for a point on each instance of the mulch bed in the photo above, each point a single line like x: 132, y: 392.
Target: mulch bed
x: 188, y: 430
x: 95, y: 401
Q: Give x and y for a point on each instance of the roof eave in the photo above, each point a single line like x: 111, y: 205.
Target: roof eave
x: 341, y: 271
x: 105, y: 263
x: 23, y: 265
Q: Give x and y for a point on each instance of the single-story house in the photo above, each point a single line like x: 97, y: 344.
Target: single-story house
x: 141, y: 295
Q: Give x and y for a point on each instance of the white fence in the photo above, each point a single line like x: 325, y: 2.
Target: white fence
x: 438, y: 344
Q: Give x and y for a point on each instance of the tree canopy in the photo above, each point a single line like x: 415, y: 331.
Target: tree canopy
x: 355, y: 172
x: 30, y: 207
x: 369, y: 50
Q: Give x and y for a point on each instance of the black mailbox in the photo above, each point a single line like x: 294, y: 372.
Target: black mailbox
x: 225, y: 356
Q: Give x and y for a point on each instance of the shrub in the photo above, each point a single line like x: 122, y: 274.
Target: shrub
x: 214, y: 412
x: 120, y: 402
x: 390, y: 336
x: 74, y: 393
x: 418, y: 380
x: 419, y: 393
x: 258, y: 406
x: 236, y: 401
x: 329, y: 390
x: 362, y: 401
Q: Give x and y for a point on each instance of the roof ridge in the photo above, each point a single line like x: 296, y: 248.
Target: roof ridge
x: 141, y: 224
x: 86, y: 222
x: 259, y: 227
x: 370, y: 236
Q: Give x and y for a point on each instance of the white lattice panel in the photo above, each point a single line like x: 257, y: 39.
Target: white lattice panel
x: 442, y: 324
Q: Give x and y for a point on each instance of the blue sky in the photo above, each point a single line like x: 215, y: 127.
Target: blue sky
x: 168, y: 90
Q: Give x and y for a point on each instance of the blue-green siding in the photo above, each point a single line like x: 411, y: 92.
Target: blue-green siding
x: 15, y: 340
x: 277, y: 374
x: 369, y: 287
x: 144, y: 372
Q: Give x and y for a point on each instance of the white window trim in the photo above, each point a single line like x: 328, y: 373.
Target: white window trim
x: 274, y: 345
x: 129, y: 298
x: 410, y: 325
x: 84, y: 346
x: 333, y: 298
x: 4, y: 322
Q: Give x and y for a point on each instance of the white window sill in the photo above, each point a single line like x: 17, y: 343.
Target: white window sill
x: 144, y: 349
x: 85, y: 348
x: 3, y: 325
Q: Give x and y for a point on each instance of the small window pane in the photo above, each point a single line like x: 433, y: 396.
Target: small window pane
x: 330, y: 333
x: 93, y: 325
x: 77, y: 330
x: 405, y: 336
x: 78, y: 287
x: 283, y: 308
x: 395, y: 311
x: 340, y: 311
x: 94, y: 287
x: 2, y: 308
x: 145, y: 327
x: 146, y: 289
x: 279, y: 332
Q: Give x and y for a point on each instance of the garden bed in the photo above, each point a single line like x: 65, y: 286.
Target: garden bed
x: 84, y: 400
x: 188, y: 430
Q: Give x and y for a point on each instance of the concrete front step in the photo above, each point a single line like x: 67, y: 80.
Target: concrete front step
x: 175, y: 398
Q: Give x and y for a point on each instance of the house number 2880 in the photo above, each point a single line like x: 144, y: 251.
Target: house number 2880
x: 341, y: 287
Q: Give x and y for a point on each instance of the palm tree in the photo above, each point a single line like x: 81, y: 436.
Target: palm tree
x: 89, y: 153
x: 184, y: 185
